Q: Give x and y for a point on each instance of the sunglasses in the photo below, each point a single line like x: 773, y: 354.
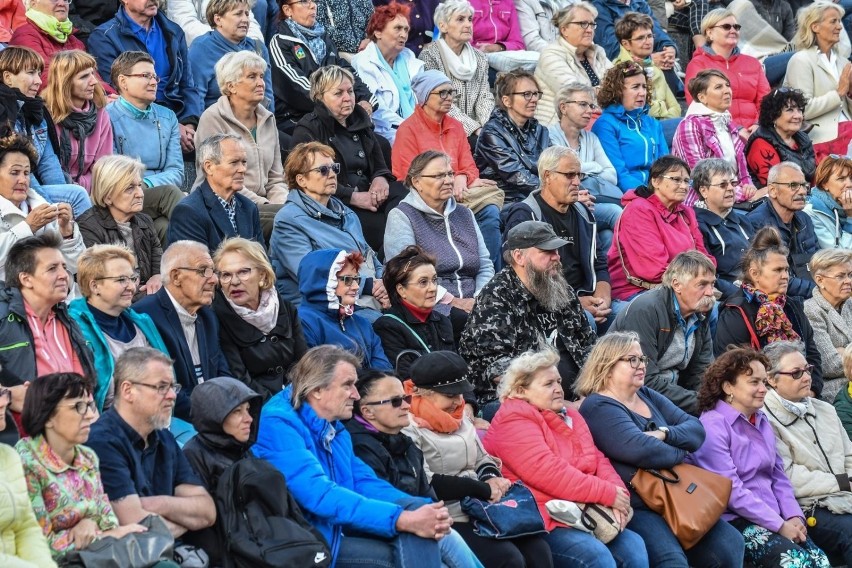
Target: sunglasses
x: 728, y: 27
x: 326, y: 169
x: 797, y: 374
x: 395, y: 401
x: 349, y: 280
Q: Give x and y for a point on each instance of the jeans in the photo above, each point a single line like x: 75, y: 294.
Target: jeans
x: 572, y: 548
x: 455, y: 553
x: 833, y: 534
x: 74, y: 195
x: 158, y: 204
x: 403, y: 551
x: 775, y: 67
x: 722, y: 547
x: 669, y: 126
x: 606, y: 216
x: 488, y: 219
x: 601, y: 328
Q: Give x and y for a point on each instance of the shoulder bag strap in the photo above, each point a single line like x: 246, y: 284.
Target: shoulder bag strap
x: 408, y: 327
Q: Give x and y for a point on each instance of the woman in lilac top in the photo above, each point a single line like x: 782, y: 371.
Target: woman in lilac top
x: 740, y: 445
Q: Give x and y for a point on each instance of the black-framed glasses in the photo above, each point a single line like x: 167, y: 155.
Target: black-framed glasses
x: 122, y: 281
x: 162, y: 389
x: 678, y: 180
x: 584, y: 104
x: 529, y: 95
x: 205, y: 272
x: 729, y: 27
x: 325, y: 169
x: 445, y: 94
x: 724, y: 184
x: 395, y: 401
x: 585, y: 25
x: 797, y: 374
x: 147, y: 76
x: 635, y: 361
x: 349, y: 280
x: 240, y: 275
x: 794, y: 185
x: 7, y: 394
x: 571, y: 175
x: 84, y: 406
x: 841, y: 277
x: 443, y: 175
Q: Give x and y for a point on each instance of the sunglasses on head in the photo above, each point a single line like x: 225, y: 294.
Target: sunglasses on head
x: 326, y: 169
x: 395, y: 401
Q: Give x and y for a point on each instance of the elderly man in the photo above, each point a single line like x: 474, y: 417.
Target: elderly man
x: 38, y: 336
x: 216, y: 210
x: 787, y: 191
x: 143, y: 470
x: 183, y: 316
x: 674, y: 328
x: 527, y: 305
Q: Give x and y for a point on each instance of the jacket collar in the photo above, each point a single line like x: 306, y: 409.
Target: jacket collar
x: 731, y: 415
x: 224, y: 108
x: 45, y: 455
x: 215, y: 209
x: 320, y: 428
x: 356, y: 122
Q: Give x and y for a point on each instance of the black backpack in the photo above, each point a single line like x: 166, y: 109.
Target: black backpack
x: 262, y: 523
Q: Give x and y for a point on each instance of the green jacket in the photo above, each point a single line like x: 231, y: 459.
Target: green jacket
x: 843, y: 404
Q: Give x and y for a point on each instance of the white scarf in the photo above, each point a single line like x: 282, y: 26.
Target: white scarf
x: 720, y: 120
x: 266, y: 315
x: 461, y: 67
x: 798, y: 408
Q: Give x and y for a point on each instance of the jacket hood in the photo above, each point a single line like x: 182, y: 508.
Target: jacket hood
x: 700, y: 109
x: 822, y: 201
x: 333, y: 213
x: 318, y: 278
x: 413, y: 198
x: 212, y: 402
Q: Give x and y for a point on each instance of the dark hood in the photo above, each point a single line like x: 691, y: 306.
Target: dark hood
x: 212, y: 401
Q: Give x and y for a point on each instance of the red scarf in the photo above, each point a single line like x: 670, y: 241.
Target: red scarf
x: 429, y: 416
x: 422, y: 314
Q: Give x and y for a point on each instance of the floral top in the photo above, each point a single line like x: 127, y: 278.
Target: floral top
x: 63, y: 495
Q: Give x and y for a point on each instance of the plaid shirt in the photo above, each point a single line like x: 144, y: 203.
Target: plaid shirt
x: 231, y: 210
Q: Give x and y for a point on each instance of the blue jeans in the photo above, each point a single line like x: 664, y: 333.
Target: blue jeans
x: 833, y: 534
x: 488, y: 220
x: 606, y: 216
x: 572, y: 548
x: 601, y: 328
x: 403, y: 551
x: 775, y: 67
x: 456, y: 554
x: 722, y: 547
x: 74, y: 195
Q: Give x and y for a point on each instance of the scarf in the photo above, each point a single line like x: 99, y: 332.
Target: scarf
x: 60, y: 31
x: 314, y: 38
x: 80, y: 124
x: 265, y: 316
x: 721, y: 122
x: 422, y: 314
x: 798, y: 408
x: 16, y: 104
x: 428, y: 416
x: 771, y: 321
x: 136, y: 113
x: 402, y: 82
x: 461, y: 67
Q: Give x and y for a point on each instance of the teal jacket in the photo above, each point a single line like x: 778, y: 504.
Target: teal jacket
x: 843, y: 404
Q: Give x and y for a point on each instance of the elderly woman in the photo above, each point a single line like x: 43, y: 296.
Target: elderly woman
x: 813, y: 446
x: 547, y: 445
x: 336, y: 491
x: 632, y: 139
x: 231, y: 23
x: 830, y: 202
x: 116, y: 217
x: 824, y: 75
x: 653, y: 433
x: 726, y: 231
x: 512, y: 140
x: 748, y: 81
x: 653, y: 229
x: 108, y: 277
x: 708, y: 132
x: 458, y: 464
x: 740, y: 445
x: 259, y: 330
x: 314, y: 219
x: 780, y: 136
x: 62, y: 475
x: 76, y: 101
x: 197, y: 18
x: 365, y: 183
x: 387, y: 67
x: 24, y: 212
x: 761, y: 312
x: 573, y: 57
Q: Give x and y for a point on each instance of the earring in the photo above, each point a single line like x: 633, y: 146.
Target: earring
x: 730, y: 398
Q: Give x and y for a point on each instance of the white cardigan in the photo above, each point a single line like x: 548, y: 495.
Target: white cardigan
x: 810, y: 73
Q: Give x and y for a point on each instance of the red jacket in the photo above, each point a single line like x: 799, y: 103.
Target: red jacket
x: 554, y: 460
x: 748, y: 82
x: 12, y: 16
x: 419, y: 133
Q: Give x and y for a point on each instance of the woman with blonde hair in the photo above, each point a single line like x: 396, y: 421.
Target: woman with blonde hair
x: 75, y: 100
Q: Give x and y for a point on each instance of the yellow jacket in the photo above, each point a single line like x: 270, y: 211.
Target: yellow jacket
x: 663, y: 102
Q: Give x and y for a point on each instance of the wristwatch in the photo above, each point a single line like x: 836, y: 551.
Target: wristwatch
x: 665, y: 431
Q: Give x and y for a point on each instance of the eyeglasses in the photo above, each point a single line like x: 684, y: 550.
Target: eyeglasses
x: 841, y: 277
x: 83, y: 407
x: 529, y: 95
x: 7, y: 394
x: 349, y: 280
x: 147, y: 76
x: 571, y: 175
x: 794, y: 185
x: 122, y: 281
x: 395, y: 401
x: 424, y: 282
x: 796, y: 374
x: 728, y: 27
x: 240, y: 275
x: 443, y: 175
x: 635, y: 361
x: 584, y: 105
x: 303, y: 2
x: 585, y: 25
x: 446, y: 94
x: 724, y: 184
x: 162, y: 389
x: 643, y: 37
x: 326, y: 169
x: 678, y: 180
x: 205, y: 272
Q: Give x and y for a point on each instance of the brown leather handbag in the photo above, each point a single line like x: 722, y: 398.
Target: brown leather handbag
x: 689, y: 498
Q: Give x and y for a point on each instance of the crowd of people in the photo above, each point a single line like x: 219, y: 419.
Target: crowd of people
x: 385, y: 261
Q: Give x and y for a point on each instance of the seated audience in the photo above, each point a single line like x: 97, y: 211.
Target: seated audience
x: 459, y: 465
x: 345, y: 22
x: 116, y: 218
x: 673, y: 326
x: 187, y: 325
x: 813, y: 446
x: 422, y: 23
x: 148, y: 132
x: 830, y: 202
x: 535, y: 20
x: 86, y: 15
x: 63, y: 477
x: 313, y: 218
x: 197, y: 19
x: 725, y: 230
x: 740, y: 445
x: 386, y: 66
x: 12, y: 16
x: 655, y: 227
x: 259, y: 331
x: 511, y: 141
x: 526, y: 306
x: 787, y: 197
x: 108, y: 277
x: 572, y: 58
x: 762, y: 311
x: 546, y: 444
x: 635, y: 426
x: 631, y: 138
x: 329, y: 281
x: 335, y: 490
x: 366, y: 184
x: 497, y: 34
x: 707, y: 131
x: 140, y: 480
x: 780, y: 136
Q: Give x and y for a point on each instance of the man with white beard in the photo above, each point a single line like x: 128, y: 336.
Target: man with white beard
x: 673, y: 328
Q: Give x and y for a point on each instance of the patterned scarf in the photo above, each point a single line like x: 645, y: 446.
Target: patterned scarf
x: 429, y: 416
x: 314, y: 38
x: 771, y: 321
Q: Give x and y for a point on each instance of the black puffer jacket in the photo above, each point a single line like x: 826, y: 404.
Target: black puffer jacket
x: 804, y: 156
x: 436, y: 332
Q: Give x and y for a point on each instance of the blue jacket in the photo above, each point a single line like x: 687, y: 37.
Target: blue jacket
x: 334, y: 488
x: 610, y: 11
x: 115, y: 36
x: 726, y: 239
x: 95, y: 340
x: 319, y: 311
x: 200, y: 217
x: 632, y: 141
x: 48, y: 171
x: 832, y: 226
x: 800, y: 238
x: 213, y: 363
x: 152, y: 136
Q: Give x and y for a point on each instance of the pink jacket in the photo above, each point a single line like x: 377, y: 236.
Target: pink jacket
x: 12, y: 16
x: 496, y: 21
x: 649, y: 237
x: 98, y: 144
x: 553, y: 460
